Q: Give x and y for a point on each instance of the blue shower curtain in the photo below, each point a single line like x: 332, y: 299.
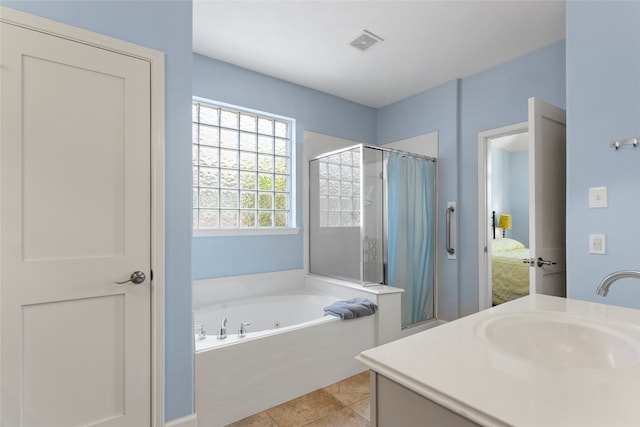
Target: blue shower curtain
x: 411, y: 221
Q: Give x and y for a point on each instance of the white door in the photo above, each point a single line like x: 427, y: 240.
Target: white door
x: 547, y: 195
x: 74, y: 219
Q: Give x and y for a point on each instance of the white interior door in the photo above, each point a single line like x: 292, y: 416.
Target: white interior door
x: 74, y: 219
x: 547, y: 198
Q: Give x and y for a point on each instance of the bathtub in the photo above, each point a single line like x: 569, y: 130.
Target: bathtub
x: 290, y: 349
x: 267, y: 315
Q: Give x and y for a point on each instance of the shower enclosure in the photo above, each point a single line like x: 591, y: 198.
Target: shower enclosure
x: 372, y: 221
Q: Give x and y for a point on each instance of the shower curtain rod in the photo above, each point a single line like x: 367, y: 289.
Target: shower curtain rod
x: 392, y: 150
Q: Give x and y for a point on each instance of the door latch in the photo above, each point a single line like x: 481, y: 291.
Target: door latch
x: 542, y: 262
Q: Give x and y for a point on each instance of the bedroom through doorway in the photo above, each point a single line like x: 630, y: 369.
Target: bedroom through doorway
x: 509, y: 203
x: 504, y: 217
x: 502, y: 276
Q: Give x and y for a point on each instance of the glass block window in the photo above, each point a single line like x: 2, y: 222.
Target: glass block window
x: 340, y: 189
x: 241, y: 168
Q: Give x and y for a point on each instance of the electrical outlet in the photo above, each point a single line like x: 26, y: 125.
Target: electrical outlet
x: 597, y: 244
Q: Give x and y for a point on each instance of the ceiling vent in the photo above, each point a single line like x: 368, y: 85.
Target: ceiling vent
x: 366, y: 40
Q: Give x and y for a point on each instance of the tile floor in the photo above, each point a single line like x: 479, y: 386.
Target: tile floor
x: 343, y: 404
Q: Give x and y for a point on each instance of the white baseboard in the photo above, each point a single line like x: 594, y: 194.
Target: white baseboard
x: 188, y: 421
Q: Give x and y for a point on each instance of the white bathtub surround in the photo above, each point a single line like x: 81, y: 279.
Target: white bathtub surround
x: 235, y: 381
x: 209, y: 292
x: 213, y: 291
x: 237, y: 377
x: 388, y: 319
x: 565, y: 363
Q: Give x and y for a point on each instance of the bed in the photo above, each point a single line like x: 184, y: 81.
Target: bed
x: 509, y: 275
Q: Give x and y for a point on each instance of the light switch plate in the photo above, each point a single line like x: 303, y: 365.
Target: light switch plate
x: 598, y: 197
x: 597, y: 244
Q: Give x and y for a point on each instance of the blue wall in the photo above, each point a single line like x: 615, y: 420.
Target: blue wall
x: 164, y: 26
x: 519, y: 195
x: 492, y: 99
x: 510, y: 190
x: 602, y: 93
x: 500, y: 201
x: 314, y: 111
x: 459, y: 111
x: 603, y: 104
x: 435, y: 110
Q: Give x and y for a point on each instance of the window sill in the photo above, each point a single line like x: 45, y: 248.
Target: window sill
x: 246, y: 232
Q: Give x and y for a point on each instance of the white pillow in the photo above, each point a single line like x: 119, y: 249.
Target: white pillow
x: 506, y: 244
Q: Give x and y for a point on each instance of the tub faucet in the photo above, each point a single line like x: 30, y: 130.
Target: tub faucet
x: 242, y: 332
x: 222, y: 332
x: 603, y: 289
x: 199, y: 332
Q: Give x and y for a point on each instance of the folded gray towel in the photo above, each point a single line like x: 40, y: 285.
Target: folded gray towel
x: 351, y: 309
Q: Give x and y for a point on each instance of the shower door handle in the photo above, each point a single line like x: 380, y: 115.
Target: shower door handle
x: 450, y: 250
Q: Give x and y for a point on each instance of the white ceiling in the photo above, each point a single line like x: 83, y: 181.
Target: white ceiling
x: 426, y: 43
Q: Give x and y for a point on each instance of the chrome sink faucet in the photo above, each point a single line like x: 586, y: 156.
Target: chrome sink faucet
x: 222, y: 332
x: 603, y: 289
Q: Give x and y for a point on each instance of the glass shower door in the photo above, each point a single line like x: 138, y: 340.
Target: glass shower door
x: 346, y: 215
x: 334, y: 204
x: 372, y: 221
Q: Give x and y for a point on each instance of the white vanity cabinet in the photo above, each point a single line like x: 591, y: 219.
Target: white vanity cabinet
x: 393, y: 405
x: 535, y: 361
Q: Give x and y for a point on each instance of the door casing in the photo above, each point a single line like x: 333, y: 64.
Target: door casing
x: 156, y: 62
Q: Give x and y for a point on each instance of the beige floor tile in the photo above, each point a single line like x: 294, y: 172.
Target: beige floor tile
x: 343, y: 418
x: 305, y: 409
x: 352, y: 389
x: 261, y: 419
x: 362, y: 408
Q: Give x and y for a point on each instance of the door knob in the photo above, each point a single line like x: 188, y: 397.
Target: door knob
x: 542, y: 262
x: 136, y: 278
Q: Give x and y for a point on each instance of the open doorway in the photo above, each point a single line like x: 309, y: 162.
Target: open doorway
x: 546, y: 171
x: 504, y: 216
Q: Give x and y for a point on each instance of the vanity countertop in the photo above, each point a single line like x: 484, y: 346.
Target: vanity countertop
x: 455, y: 367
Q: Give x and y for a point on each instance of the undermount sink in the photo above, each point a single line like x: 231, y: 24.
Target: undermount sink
x: 555, y: 339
